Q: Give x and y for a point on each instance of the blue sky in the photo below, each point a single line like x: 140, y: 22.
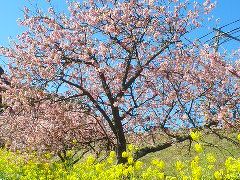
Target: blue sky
x: 11, y: 10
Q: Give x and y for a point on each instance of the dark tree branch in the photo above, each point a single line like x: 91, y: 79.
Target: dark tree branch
x: 140, y: 70
x: 85, y: 92
x: 146, y: 150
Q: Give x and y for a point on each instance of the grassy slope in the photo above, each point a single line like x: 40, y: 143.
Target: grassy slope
x: 219, y: 147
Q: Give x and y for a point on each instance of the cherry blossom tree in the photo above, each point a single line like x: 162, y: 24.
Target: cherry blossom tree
x: 40, y: 122
x: 127, y: 62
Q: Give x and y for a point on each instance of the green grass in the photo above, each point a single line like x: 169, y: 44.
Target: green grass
x: 220, y: 148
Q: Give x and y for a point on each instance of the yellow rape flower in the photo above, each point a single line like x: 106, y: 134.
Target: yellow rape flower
x: 194, y: 162
x: 112, y: 154
x: 110, y: 160
x: 130, y: 160
x: 130, y: 169
x: 171, y: 178
x: 160, y: 175
x: 130, y: 147
x: 90, y: 159
x: 161, y: 164
x: 210, y: 167
x: 196, y: 136
x: 154, y: 162
x: 185, y: 177
x: 179, y: 165
x: 198, y: 148
x: 74, y: 141
x: 48, y: 155
x: 138, y: 165
x: 197, y: 172
x: 218, y: 174
x: 69, y: 153
x: 124, y: 154
x: 238, y: 137
x: 210, y: 158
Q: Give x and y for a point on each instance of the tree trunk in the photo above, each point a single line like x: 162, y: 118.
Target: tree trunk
x: 120, y: 136
x: 121, y: 145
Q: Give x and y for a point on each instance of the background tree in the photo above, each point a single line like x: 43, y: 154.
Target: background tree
x: 127, y: 62
x: 41, y: 123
